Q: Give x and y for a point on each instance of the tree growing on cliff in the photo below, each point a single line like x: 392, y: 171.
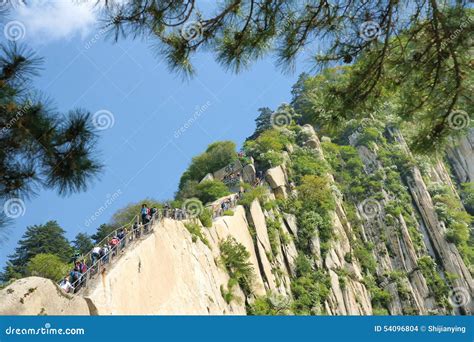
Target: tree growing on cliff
x: 102, y: 231
x: 47, y: 266
x: 211, y: 190
x: 262, y: 122
x: 216, y: 156
x: 236, y: 260
x: 47, y: 238
x: 82, y: 243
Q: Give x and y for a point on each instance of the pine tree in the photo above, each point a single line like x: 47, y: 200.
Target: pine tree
x: 262, y: 122
x: 419, y: 51
x: 38, y: 239
x: 298, y: 88
x: 39, y: 147
x: 102, y: 232
x: 82, y: 243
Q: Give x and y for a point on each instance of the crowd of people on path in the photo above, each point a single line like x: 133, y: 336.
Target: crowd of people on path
x: 101, y: 252
x: 232, y: 179
x: 116, y: 242
x: 178, y: 214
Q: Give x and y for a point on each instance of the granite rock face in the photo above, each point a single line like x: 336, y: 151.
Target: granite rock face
x: 168, y: 274
x: 39, y: 296
x: 461, y: 158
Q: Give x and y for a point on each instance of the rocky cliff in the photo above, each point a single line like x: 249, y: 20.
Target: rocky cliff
x: 383, y: 251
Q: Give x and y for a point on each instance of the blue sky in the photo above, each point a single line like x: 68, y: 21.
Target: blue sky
x: 147, y: 104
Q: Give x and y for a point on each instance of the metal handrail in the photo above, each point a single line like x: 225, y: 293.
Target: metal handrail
x: 141, y: 230
x: 105, y: 240
x: 113, y: 254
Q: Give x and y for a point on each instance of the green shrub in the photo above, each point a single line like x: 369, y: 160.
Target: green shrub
x: 291, y: 205
x: 270, y: 159
x: 206, y: 217
x: 316, y: 192
x: 269, y: 140
x: 434, y: 281
x: 252, y: 194
x: 311, y: 223
x: 342, y: 275
x: 273, y: 228
x: 270, y: 205
x: 306, y: 162
x: 380, y: 312
x: 235, y: 259
x: 211, y: 190
x: 47, y: 266
x: 369, y: 134
x: 188, y: 189
x: 196, y: 233
x: 457, y: 220
x: 348, y: 170
x: 216, y: 156
x: 457, y: 233
x: 310, y: 289
x: 348, y: 257
x: 285, y: 238
x: 366, y: 258
x: 228, y: 294
x: 228, y: 213
x: 467, y: 195
x: 270, y: 305
x: 268, y: 147
x: 380, y: 298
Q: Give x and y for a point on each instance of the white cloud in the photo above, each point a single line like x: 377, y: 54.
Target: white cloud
x: 47, y: 20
